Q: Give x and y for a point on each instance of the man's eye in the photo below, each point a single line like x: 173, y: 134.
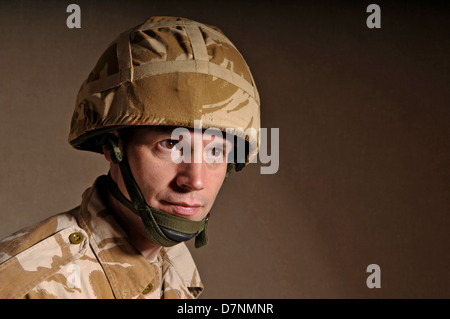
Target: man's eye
x: 216, y: 152
x: 168, y: 144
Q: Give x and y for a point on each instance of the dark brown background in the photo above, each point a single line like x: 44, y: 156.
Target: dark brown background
x: 364, y: 140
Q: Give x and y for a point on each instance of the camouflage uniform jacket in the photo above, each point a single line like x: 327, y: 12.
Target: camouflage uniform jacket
x: 84, y: 253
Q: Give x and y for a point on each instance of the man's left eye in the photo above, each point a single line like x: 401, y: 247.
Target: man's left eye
x: 216, y: 152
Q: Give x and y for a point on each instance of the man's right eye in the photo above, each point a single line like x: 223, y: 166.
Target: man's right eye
x: 168, y: 144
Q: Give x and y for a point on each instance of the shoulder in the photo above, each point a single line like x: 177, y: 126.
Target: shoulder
x: 31, y: 255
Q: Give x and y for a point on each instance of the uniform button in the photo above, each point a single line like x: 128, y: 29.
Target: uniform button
x: 76, y: 238
x: 147, y: 289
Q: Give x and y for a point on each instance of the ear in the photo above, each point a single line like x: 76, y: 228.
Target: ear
x: 106, y: 152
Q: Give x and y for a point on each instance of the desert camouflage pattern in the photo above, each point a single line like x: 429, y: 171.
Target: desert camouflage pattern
x: 45, y: 261
x: 168, y: 71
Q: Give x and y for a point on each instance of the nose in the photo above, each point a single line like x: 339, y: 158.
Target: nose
x: 191, y: 176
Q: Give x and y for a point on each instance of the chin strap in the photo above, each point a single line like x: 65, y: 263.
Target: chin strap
x: 165, y: 229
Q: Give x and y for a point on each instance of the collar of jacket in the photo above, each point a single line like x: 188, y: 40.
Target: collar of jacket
x: 128, y: 271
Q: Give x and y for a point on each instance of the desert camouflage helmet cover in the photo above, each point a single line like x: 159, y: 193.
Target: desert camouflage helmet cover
x: 168, y: 71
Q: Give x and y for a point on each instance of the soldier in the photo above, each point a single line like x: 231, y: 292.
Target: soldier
x: 126, y: 238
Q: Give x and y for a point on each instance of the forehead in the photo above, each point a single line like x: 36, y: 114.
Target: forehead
x: 167, y: 131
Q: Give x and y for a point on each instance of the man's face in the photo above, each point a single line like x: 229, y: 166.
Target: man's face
x: 187, y: 188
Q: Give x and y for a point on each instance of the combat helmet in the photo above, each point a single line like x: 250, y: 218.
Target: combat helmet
x: 167, y: 71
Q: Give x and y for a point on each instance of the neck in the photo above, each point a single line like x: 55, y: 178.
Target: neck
x: 134, y: 228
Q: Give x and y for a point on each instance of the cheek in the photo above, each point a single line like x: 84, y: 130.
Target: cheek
x: 151, y: 175
x: 215, y: 181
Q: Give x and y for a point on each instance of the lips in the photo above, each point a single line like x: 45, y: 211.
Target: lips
x: 181, y: 208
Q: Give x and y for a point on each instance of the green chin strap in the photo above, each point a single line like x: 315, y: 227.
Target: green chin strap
x: 165, y: 229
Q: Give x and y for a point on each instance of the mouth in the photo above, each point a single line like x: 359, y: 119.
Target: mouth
x: 180, y: 208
